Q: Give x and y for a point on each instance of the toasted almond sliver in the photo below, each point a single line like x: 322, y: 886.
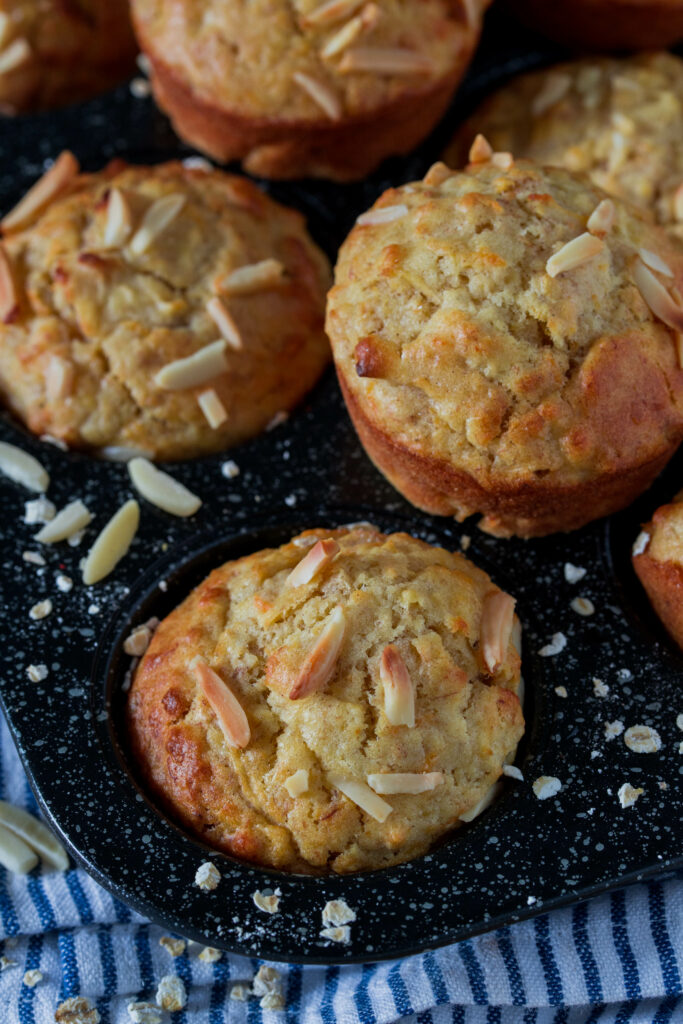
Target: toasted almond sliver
x: 21, y: 467
x: 161, y: 489
x: 554, y: 88
x: 119, y: 219
x: 320, y: 663
x: 382, y: 215
x: 122, y: 453
x: 112, y: 543
x: 15, y: 854
x: 330, y: 12
x: 35, y: 834
x: 297, y: 784
x: 320, y: 555
x: 601, y: 219
x: 437, y: 174
x: 253, y: 278
x: 320, y: 93
x: 655, y: 262
x: 502, y: 160
x: 156, y: 219
x: 59, y: 375
x: 54, y: 181
x: 399, y: 693
x: 14, y: 55
x: 68, y: 521
x: 224, y: 322
x: 580, y: 250
x: 404, y: 782
x: 389, y: 61
x: 660, y: 302
x: 482, y: 804
x: 481, y: 150
x: 212, y: 407
x: 496, y: 627
x: 190, y: 372
x: 361, y: 794
x: 228, y: 710
x: 8, y: 294
x: 343, y: 38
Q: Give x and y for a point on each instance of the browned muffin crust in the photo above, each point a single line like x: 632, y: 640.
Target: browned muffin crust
x: 659, y: 565
x: 605, y: 24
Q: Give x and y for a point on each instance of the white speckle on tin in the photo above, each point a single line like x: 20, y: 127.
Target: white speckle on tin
x: 513, y: 772
x: 558, y: 642
x: 546, y: 786
x: 530, y: 900
x: 41, y: 610
x: 207, y: 876
x: 640, y: 543
x: 290, y: 500
x: 140, y: 88
x: 613, y: 729
x: 269, y: 903
x: 679, y: 721
x: 642, y: 739
x: 628, y: 794
x: 36, y: 673
x: 583, y: 606
x: 230, y: 470
x: 561, y: 691
x: 573, y: 573
x: 93, y: 609
x: 600, y: 688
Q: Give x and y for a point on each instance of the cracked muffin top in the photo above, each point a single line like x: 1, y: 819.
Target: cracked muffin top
x: 619, y: 120
x: 293, y: 709
x: 658, y: 562
x: 53, y: 53
x: 166, y: 310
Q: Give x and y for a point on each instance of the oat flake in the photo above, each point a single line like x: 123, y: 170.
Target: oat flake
x: 558, y: 642
x: 642, y: 739
x: 240, y: 993
x: 613, y: 729
x: 600, y: 688
x: 266, y: 980
x: 269, y: 904
x: 583, y: 606
x: 513, y: 772
x: 546, y: 786
x: 171, y: 994
x: 208, y: 876
x: 144, y: 1013
x: 561, y: 691
x: 338, y: 912
x: 41, y: 610
x: 272, y: 1001
x: 210, y: 955
x: 342, y: 935
x: 36, y: 673
x: 628, y: 794
x: 176, y: 947
x: 33, y: 978
x: 77, y: 1010
x: 573, y: 573
x: 230, y: 469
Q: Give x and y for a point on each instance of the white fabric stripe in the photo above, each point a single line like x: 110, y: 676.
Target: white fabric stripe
x: 492, y: 964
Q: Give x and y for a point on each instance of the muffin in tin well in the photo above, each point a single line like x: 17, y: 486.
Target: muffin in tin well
x: 316, y: 87
x: 130, y: 271
x: 658, y: 561
x: 619, y: 120
x: 605, y: 24
x: 493, y: 364
x: 282, y: 793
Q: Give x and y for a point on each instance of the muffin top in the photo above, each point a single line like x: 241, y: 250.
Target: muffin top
x: 666, y: 532
x: 315, y: 662
x: 618, y: 120
x: 309, y: 60
x: 501, y: 320
x: 126, y: 275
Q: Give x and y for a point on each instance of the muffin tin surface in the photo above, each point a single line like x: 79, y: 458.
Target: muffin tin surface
x: 523, y: 855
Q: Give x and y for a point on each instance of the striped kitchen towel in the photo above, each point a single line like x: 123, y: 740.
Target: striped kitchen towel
x: 615, y: 959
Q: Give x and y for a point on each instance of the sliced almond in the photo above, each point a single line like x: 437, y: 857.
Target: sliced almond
x: 8, y: 294
x: 156, y: 219
x: 16, y: 855
x: 389, y: 783
x: 655, y: 262
x: 343, y: 38
x: 112, y: 543
x: 320, y: 663
x: 320, y: 93
x: 320, y: 555
x: 35, y: 834
x: 254, y: 277
x: 601, y: 219
x: 14, y: 55
x: 502, y: 160
x: 161, y: 489
x: 330, y: 12
x: 54, y: 181
x: 212, y: 407
x: 361, y: 794
x: 554, y: 88
x: 496, y: 628
x: 68, y: 521
x: 297, y: 784
x: 21, y: 467
x: 399, y: 693
x: 206, y: 364
x: 228, y: 710
x: 481, y: 151
x: 482, y: 804
x: 575, y: 253
x: 119, y: 219
x: 660, y: 302
x: 382, y: 215
x: 385, y: 61
x: 224, y: 322
x: 59, y: 375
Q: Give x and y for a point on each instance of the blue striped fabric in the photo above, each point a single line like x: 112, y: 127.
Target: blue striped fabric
x: 617, y: 959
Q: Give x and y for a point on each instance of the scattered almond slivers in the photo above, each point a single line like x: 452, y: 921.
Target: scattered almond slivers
x: 330, y: 12
x: 21, y: 467
x: 601, y: 219
x: 496, y: 627
x: 481, y: 151
x: 14, y: 55
x: 72, y: 518
x: 320, y: 663
x: 361, y: 794
x: 119, y: 219
x: 399, y: 693
x: 8, y: 294
x: 389, y: 61
x: 343, y: 38
x: 580, y: 250
x: 156, y: 219
x: 212, y: 407
x: 320, y: 555
x: 16, y: 855
x: 382, y: 214
x: 297, y: 784
x: 224, y: 322
x: 404, y: 782
x: 252, y: 278
x: 655, y: 262
x: 190, y: 372
x: 227, y: 708
x: 482, y: 804
x: 658, y: 299
x: 320, y: 93
x: 54, y: 181
x: 34, y: 834
x: 112, y: 543
x: 161, y: 489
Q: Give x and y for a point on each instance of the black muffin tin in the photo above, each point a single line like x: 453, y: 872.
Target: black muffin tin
x: 522, y: 855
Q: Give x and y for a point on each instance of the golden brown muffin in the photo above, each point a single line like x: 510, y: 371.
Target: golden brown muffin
x: 306, y: 88
x: 54, y: 52
x: 658, y: 561
x: 498, y: 357
x: 382, y: 656
x: 163, y: 309
x: 619, y: 120
x: 605, y: 24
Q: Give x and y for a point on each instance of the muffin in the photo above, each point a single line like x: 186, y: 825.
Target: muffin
x: 605, y: 24
x: 619, y: 120
x: 166, y: 311
x: 316, y: 87
x: 506, y: 341
x: 296, y: 707
x: 658, y: 561
x: 53, y: 53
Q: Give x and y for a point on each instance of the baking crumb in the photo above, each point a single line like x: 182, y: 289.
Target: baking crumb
x: 240, y: 992
x: 561, y: 691
x: 642, y: 739
x: 176, y: 947
x: 679, y: 721
x: 93, y: 609
x: 266, y: 980
x: 77, y: 1010
x: 624, y: 675
x: 140, y: 88
x: 39, y: 510
x: 210, y: 955
x: 36, y: 673
x: 208, y: 876
x: 290, y: 500
x: 628, y: 795
x: 277, y: 420
x: 33, y: 558
x: 546, y: 786
x: 272, y: 1001
x: 230, y: 469
x: 137, y: 642
x: 5, y: 963
x: 171, y: 994
x: 41, y: 610
x: 64, y: 583
x: 582, y: 606
x: 530, y: 900
x: 513, y: 772
x: 680, y: 747
x: 664, y: 785
x: 573, y: 573
x: 640, y: 543
x: 269, y: 903
x: 144, y: 1013
x: 465, y: 542
x: 342, y: 934
x: 558, y: 642
x: 163, y: 586
x: 75, y: 539
x: 600, y: 688
x: 338, y: 912
x: 595, y: 753
x: 613, y: 729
